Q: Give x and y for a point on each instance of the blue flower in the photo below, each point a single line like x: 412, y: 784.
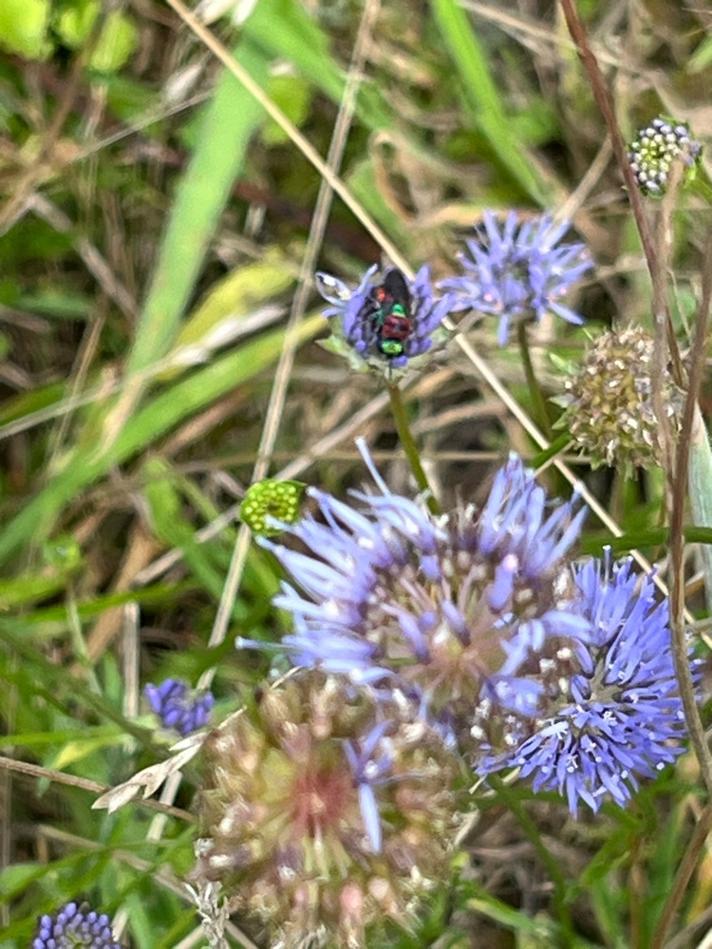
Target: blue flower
x: 610, y: 713
x: 360, y: 316
x: 518, y: 271
x: 177, y: 707
x: 75, y: 926
x: 394, y: 597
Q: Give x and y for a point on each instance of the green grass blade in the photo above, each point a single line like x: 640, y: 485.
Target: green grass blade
x: 482, y: 96
x: 223, y: 137
x: 700, y: 490
x: 284, y: 29
x: 154, y: 420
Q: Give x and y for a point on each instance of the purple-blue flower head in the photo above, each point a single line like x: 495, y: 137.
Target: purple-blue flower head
x: 610, y: 713
x: 518, y: 270
x: 75, y: 926
x: 178, y: 707
x: 392, y: 596
x: 387, y: 320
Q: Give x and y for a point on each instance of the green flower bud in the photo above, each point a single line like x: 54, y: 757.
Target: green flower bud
x: 280, y: 500
x: 654, y: 149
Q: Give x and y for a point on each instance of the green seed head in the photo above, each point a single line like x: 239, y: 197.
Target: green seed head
x: 610, y: 409
x: 281, y: 500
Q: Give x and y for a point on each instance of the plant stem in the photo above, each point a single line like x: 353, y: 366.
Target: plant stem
x: 547, y: 858
x: 400, y: 417
x: 684, y: 872
x: 541, y: 411
x: 558, y: 445
x: 678, y: 479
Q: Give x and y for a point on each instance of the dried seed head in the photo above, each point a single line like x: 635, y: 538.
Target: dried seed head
x: 323, y: 811
x: 610, y: 410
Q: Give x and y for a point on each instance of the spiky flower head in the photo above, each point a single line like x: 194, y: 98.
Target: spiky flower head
x: 74, y: 926
x: 518, y: 270
x: 435, y: 606
x: 178, y: 707
x: 610, y: 412
x: 269, y: 501
x: 656, y: 147
x: 609, y: 710
x: 385, y: 323
x: 324, y: 811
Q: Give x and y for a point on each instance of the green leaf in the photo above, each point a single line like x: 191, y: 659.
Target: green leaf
x: 167, y: 520
x: 28, y: 588
x: 701, y: 58
x: 284, y: 29
x: 23, y: 27
x: 700, y: 490
x: 238, y: 295
x: 78, y: 749
x: 293, y: 97
x: 75, y: 22
x: 117, y: 41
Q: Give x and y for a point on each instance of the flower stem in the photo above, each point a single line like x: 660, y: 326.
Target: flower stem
x: 400, y: 417
x: 541, y: 410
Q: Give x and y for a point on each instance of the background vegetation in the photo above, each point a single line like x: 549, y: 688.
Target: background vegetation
x: 153, y: 227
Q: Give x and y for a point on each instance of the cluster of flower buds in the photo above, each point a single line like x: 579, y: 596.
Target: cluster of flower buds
x: 72, y: 927
x: 177, y: 707
x: 655, y: 148
x: 269, y: 503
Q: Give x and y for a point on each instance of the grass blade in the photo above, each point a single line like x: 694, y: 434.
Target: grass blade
x: 228, y: 124
x: 482, y: 97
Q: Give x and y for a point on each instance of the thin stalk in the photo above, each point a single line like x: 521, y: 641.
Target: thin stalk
x: 683, y: 876
x: 677, y: 538
x: 400, y: 417
x: 541, y: 410
x: 604, y: 101
x: 547, y: 858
